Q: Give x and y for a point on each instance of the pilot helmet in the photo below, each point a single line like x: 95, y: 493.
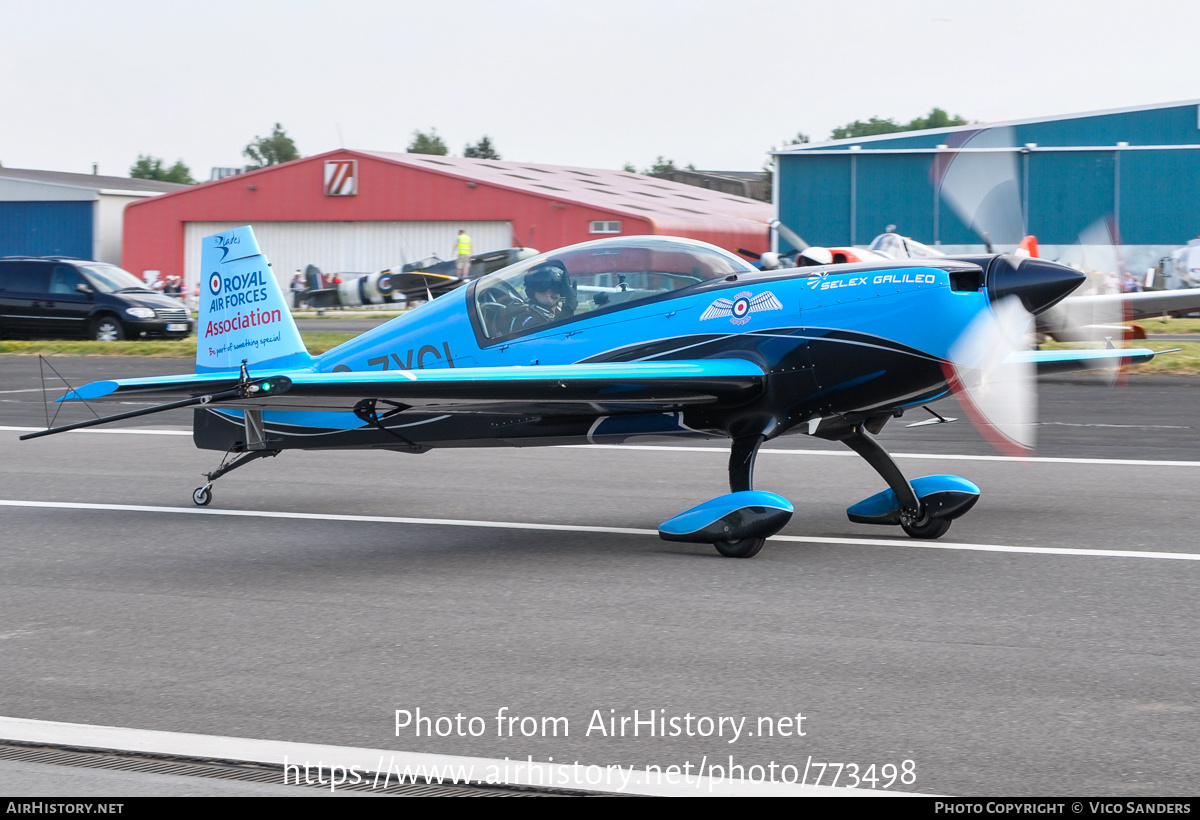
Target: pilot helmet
x: 546, y: 276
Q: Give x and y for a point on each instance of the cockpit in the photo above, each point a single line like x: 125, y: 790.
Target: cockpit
x: 895, y: 246
x: 604, y: 276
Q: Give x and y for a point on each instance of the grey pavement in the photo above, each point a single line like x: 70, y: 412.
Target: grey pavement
x: 995, y: 673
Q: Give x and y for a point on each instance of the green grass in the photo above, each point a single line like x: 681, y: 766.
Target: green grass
x: 1168, y: 326
x: 318, y: 341
x: 350, y: 313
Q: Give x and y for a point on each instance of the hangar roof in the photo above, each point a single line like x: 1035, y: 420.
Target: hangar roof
x: 914, y: 138
x: 104, y: 184
x: 633, y: 194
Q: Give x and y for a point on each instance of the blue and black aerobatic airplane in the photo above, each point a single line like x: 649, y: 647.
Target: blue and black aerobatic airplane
x: 627, y: 337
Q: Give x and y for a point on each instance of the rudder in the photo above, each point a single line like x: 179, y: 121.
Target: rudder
x: 243, y: 314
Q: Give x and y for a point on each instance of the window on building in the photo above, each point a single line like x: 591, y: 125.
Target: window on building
x: 605, y: 226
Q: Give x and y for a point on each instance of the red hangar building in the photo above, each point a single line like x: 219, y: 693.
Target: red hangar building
x: 365, y: 211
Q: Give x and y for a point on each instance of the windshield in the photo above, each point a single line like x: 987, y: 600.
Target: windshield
x: 110, y: 278
x: 604, y: 275
x: 901, y: 247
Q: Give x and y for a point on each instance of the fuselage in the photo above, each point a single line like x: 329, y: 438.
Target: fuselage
x: 852, y: 341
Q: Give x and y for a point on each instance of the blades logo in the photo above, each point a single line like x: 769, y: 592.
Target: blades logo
x: 224, y: 241
x: 739, y: 308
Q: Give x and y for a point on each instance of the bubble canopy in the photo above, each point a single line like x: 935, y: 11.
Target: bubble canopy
x: 602, y: 276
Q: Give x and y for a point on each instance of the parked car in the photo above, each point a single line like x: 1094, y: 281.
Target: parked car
x: 60, y: 297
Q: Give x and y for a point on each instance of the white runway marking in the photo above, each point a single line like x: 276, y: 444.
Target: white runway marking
x: 373, y: 764
x: 513, y: 525
x: 724, y: 451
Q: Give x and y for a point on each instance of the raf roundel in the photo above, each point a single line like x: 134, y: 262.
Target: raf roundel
x: 214, y: 283
x: 739, y: 308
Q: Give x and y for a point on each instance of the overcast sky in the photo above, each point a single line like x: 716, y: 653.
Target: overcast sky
x: 713, y: 83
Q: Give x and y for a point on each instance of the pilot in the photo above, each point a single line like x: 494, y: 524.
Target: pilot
x: 550, y: 293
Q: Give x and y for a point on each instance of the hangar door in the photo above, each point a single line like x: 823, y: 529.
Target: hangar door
x: 348, y: 247
x: 47, y: 229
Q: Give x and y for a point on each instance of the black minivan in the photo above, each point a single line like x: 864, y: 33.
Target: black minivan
x: 61, y: 297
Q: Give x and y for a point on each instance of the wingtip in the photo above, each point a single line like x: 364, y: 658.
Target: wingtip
x: 95, y: 390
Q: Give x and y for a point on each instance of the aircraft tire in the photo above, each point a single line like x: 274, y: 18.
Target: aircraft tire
x: 201, y: 496
x: 930, y: 528
x: 746, y: 548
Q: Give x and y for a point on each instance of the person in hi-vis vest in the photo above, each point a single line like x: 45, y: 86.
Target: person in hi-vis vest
x: 463, y: 268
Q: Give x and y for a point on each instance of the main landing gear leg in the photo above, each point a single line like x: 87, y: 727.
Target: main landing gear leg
x: 914, y: 517
x: 201, y: 496
x: 741, y: 462
x: 741, y: 478
x: 860, y: 441
x: 924, y: 507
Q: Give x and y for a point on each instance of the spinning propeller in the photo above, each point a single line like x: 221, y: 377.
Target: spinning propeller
x: 995, y: 384
x: 980, y: 184
x: 990, y: 370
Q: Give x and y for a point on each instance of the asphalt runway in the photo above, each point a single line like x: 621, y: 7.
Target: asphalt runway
x: 1045, y: 646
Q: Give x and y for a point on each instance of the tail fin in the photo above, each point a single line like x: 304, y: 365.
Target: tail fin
x: 243, y: 314
x: 1028, y: 247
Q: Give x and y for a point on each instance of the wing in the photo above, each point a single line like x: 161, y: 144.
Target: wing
x: 721, y: 307
x: 1068, y: 361
x: 1146, y: 303
x: 608, y: 388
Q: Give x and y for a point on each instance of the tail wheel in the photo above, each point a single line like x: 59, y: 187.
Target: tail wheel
x: 746, y: 548
x: 107, y: 329
x: 927, y: 527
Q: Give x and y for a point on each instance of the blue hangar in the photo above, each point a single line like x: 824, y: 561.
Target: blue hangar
x: 1131, y: 175
x: 54, y: 213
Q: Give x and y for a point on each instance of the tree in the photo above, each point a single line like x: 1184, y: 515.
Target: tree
x: 661, y: 167
x: 429, y: 143
x: 148, y: 167
x: 936, y: 118
x: 870, y: 128
x: 480, y: 150
x: 628, y: 168
x: 272, y: 150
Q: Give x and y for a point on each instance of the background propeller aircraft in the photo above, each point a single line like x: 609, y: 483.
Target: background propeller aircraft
x: 425, y: 279
x: 625, y: 337
x: 1082, y: 317
x: 430, y: 278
